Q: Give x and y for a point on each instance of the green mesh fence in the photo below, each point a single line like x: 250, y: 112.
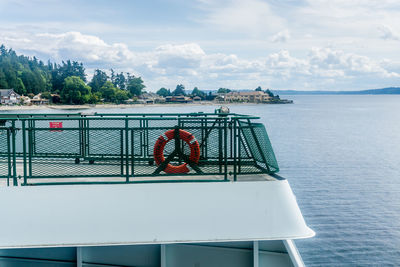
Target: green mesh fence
x: 140, y: 147
x: 258, y: 144
x: 5, y: 154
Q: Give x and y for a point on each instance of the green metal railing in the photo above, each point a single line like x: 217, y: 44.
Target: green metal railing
x: 7, y: 157
x: 63, y: 148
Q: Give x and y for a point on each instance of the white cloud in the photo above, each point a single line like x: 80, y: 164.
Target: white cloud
x: 327, y: 60
x: 187, y: 63
x: 281, y: 37
x: 179, y: 56
x: 387, y: 33
x: 249, y: 17
x: 87, y: 48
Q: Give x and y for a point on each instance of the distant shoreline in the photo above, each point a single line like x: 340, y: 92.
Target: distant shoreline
x: 382, y: 91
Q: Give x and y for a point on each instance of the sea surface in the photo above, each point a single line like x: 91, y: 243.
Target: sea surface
x: 341, y: 155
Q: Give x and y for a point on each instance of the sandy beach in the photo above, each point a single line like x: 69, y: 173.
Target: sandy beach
x: 102, y: 106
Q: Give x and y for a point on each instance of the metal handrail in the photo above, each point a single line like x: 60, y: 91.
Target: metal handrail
x: 89, y: 150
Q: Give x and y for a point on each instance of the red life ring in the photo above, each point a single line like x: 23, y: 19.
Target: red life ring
x: 168, y: 136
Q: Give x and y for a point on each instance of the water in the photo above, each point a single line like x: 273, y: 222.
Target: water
x: 341, y: 155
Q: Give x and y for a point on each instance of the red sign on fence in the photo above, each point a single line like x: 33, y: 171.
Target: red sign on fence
x: 56, y: 124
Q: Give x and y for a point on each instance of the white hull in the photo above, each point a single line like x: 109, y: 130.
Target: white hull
x: 155, y: 224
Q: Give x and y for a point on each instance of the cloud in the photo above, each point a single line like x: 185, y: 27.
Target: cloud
x: 249, y: 17
x: 87, y: 48
x: 387, y: 33
x: 179, y: 56
x: 326, y: 60
x: 169, y: 64
x: 281, y: 37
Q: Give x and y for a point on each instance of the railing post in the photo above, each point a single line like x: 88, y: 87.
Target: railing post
x: 235, y: 147
x: 24, y: 150
x: 127, y: 150
x: 132, y: 153
x: 30, y: 146
x: 14, y: 164
x: 121, y: 138
x: 225, y: 149
x: 9, y: 156
x: 219, y: 145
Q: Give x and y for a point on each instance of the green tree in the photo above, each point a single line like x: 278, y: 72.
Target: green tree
x: 98, y: 80
x: 180, y: 90
x: 269, y: 93
x: 135, y: 86
x: 258, y: 89
x: 75, y: 91
x: 120, y: 81
x: 223, y: 90
x: 163, y: 92
x: 108, y: 91
x: 3, y: 80
x: 55, y: 99
x: 95, y: 98
x: 46, y: 95
x: 67, y: 69
x: 199, y: 93
x: 121, y: 96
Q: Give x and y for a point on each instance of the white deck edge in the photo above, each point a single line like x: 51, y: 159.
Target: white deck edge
x: 108, y: 215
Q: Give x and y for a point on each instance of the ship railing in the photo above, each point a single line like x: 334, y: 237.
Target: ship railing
x: 119, y: 148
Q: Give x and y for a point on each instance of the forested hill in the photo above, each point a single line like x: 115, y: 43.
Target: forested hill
x: 382, y: 91
x: 30, y: 76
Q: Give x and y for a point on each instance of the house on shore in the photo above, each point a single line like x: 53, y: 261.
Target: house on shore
x: 197, y: 99
x: 38, y: 100
x: 178, y: 99
x: 251, y: 97
x: 9, y: 97
x: 151, y: 98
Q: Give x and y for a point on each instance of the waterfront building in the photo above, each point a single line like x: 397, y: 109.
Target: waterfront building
x: 9, y: 97
x: 38, y: 100
x: 251, y: 97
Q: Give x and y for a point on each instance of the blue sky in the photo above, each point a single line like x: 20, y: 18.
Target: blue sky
x: 300, y: 45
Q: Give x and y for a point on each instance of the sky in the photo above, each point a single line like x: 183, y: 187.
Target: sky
x: 237, y: 44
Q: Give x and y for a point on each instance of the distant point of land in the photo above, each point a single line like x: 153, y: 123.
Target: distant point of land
x: 382, y: 91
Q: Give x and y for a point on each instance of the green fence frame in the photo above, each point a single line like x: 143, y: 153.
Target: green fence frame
x: 8, y: 155
x: 101, y: 145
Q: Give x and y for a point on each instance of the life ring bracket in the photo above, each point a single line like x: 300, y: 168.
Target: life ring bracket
x: 164, y: 163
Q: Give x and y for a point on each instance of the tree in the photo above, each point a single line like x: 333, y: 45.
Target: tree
x: 135, y: 86
x: 108, y: 91
x: 258, y: 89
x: 121, y: 96
x: 98, y: 80
x: 46, y: 95
x: 180, y: 90
x: 269, y: 93
x: 75, y: 91
x: 163, y: 92
x: 55, y: 99
x: 3, y: 80
x: 223, y: 90
x: 95, y: 98
x: 120, y: 81
x: 210, y: 96
x: 199, y: 93
x: 67, y: 69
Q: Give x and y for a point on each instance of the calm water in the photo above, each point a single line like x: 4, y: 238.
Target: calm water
x: 341, y: 155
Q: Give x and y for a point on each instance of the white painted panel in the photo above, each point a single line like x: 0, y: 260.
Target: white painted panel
x: 149, y: 214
